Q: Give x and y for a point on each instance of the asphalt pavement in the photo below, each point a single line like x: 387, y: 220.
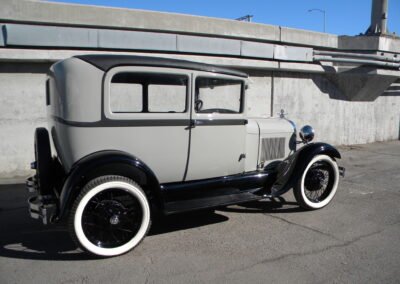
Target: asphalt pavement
x: 356, y: 239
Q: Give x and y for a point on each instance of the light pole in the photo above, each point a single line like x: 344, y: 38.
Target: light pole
x: 323, y: 12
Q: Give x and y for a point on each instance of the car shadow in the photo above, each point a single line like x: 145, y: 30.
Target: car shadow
x: 24, y: 238
x: 269, y: 205
x: 178, y: 222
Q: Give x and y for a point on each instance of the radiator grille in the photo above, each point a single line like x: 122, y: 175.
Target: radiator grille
x: 272, y: 148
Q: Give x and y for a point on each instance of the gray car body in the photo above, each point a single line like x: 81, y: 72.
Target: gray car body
x: 81, y: 123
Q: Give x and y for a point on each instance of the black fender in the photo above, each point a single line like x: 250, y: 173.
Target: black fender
x: 291, y: 169
x: 108, y: 162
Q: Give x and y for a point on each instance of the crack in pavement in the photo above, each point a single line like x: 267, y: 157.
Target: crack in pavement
x: 313, y: 251
x: 303, y: 226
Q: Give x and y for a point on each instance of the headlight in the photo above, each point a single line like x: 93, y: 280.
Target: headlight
x: 307, y: 133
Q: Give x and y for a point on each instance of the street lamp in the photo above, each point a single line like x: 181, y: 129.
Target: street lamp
x: 321, y: 11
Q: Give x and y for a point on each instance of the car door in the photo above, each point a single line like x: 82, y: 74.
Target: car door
x: 147, y: 109
x: 218, y: 131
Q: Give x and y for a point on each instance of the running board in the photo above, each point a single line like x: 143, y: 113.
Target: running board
x: 209, y: 202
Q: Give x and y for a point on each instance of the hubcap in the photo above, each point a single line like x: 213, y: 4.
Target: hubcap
x: 114, y: 220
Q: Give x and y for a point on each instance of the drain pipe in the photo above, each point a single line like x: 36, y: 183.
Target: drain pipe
x: 358, y: 55
x: 358, y: 61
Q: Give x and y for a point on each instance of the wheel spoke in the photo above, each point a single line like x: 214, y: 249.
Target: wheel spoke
x: 124, y: 230
x: 317, y: 181
x: 107, y: 207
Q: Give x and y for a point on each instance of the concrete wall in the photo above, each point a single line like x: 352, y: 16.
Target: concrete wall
x: 312, y: 99
x: 283, y: 74
x: 22, y: 109
x: 307, y: 98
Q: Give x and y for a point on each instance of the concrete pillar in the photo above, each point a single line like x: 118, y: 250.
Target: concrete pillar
x: 379, y: 16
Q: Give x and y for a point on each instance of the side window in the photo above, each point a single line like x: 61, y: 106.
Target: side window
x: 218, y: 95
x: 168, y: 96
x: 146, y: 92
x: 126, y: 97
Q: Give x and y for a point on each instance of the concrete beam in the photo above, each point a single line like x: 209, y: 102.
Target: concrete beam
x: 257, y: 49
x: 302, y: 37
x: 370, y: 43
x: 136, y: 40
x: 291, y: 53
x: 27, y: 35
x: 105, y: 17
x: 37, y: 55
x: 391, y: 44
x: 207, y: 45
x: 38, y: 12
x: 62, y: 37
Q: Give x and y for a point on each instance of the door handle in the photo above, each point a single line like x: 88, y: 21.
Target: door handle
x: 191, y: 125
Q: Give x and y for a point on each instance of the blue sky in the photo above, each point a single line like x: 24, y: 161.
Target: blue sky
x: 343, y: 17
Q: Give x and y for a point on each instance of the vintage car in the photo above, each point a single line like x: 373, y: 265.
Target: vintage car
x: 134, y: 137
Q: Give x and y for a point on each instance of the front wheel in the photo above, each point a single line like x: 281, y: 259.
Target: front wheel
x: 110, y: 216
x: 318, y: 183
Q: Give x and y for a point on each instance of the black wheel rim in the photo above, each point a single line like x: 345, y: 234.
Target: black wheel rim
x: 112, y: 218
x: 318, y: 182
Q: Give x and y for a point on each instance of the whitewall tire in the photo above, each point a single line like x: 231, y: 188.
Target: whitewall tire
x: 318, y: 183
x: 110, y: 216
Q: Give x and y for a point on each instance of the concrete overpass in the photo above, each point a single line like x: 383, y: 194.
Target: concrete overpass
x: 347, y: 87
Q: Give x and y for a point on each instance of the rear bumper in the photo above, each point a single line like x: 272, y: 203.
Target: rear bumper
x: 31, y: 184
x: 42, y: 207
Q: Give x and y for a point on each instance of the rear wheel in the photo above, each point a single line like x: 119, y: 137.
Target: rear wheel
x: 318, y: 183
x: 110, y: 217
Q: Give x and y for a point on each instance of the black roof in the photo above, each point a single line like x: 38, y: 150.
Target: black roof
x: 106, y: 62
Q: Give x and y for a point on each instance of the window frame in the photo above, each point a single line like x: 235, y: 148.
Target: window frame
x: 158, y: 71
x: 242, y: 92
